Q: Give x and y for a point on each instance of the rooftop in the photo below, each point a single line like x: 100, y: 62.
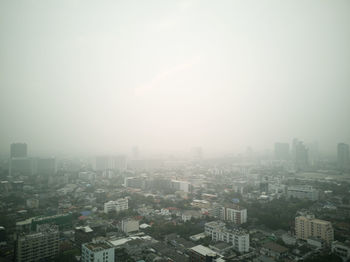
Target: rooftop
x: 275, y: 247
x: 99, y: 246
x: 203, y: 250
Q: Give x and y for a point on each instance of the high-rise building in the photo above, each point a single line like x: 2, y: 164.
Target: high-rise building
x: 97, y: 252
x: 19, y: 162
x: 18, y: 150
x: 313, y: 153
x: 301, y: 156
x: 308, y: 226
x: 343, y: 155
x: 39, y: 246
x: 282, y: 151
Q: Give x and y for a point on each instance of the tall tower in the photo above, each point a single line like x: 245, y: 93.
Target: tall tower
x: 301, y: 156
x: 343, y: 155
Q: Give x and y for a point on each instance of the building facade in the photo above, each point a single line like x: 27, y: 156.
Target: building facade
x: 303, y: 192
x: 239, y: 238
x: 343, y: 155
x: 39, y: 246
x: 129, y: 225
x: 117, y: 205
x: 308, y: 226
x: 97, y: 252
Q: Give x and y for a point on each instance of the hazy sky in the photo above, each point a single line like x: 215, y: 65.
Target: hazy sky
x: 103, y: 76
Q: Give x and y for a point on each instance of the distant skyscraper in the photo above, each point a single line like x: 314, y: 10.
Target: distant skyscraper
x: 343, y: 155
x: 18, y: 150
x: 313, y: 152
x: 135, y: 152
x: 282, y: 151
x: 19, y: 162
x: 301, y: 155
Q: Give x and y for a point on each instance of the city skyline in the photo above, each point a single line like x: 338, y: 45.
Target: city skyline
x: 169, y: 76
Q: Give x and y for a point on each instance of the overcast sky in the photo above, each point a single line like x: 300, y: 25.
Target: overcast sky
x: 103, y: 76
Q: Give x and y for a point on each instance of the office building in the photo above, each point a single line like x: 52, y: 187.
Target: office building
x: 21, y: 166
x: 282, y: 151
x: 39, y: 246
x: 97, y: 252
x: 303, y: 192
x: 239, y: 238
x: 117, y: 205
x: 343, y: 155
x: 308, y: 226
x: 18, y: 150
x: 301, y: 156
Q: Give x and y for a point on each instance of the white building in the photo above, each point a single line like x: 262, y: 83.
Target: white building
x: 233, y: 213
x: 239, y: 238
x: 97, y: 252
x: 181, y: 185
x: 129, y: 225
x: 302, y: 192
x: 117, y: 205
x: 341, y: 249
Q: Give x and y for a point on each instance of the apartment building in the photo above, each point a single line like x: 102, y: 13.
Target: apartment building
x: 308, y: 226
x: 117, y: 205
x: 239, y: 238
x: 39, y: 246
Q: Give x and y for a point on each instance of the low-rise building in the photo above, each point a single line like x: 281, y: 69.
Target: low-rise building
x: 201, y: 253
x: 239, y: 238
x: 302, y: 192
x: 274, y: 250
x: 341, y: 249
x: 129, y: 225
x: 117, y: 205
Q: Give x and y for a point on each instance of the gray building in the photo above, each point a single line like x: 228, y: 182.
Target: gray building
x: 302, y: 192
x: 301, y: 156
x: 39, y: 246
x: 18, y: 150
x: 343, y: 155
